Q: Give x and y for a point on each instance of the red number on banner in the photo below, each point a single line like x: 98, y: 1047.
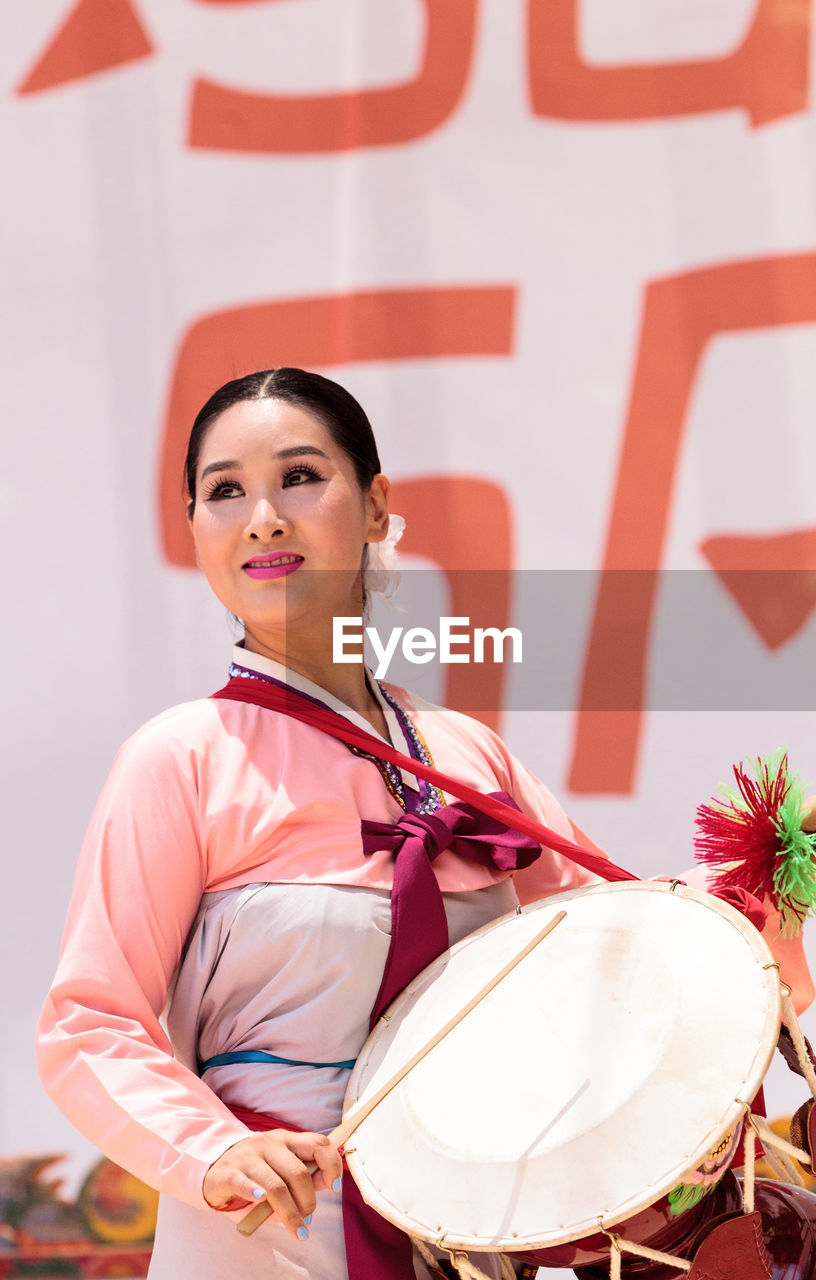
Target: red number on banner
x: 767, y: 74
x: 96, y: 35
x: 682, y: 314
x: 446, y: 515
x: 228, y: 119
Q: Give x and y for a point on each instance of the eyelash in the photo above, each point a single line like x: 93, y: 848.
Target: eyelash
x: 215, y: 488
x: 302, y: 467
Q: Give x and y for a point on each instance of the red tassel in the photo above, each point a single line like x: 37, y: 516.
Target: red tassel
x: 740, y: 841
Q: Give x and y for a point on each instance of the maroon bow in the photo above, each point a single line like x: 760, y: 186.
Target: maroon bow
x: 458, y: 826
x: 419, y: 929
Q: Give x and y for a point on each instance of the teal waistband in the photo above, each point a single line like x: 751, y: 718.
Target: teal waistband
x: 258, y: 1055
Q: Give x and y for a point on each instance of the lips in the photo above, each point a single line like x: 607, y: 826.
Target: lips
x: 267, y: 562
x: 276, y: 566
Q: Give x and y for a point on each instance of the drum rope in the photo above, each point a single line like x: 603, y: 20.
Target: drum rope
x: 619, y: 1246
x: 784, y: 1155
x: 467, y: 1269
x: 749, y: 1158
x: 781, y: 1165
x: 423, y: 1251
x: 792, y: 1023
x: 615, y: 1261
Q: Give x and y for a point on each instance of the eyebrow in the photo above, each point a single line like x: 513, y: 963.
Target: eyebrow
x: 296, y: 451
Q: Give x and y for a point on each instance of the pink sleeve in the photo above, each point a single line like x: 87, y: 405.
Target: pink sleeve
x: 552, y: 872
x: 104, y: 1056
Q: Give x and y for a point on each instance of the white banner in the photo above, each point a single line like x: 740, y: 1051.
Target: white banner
x: 563, y: 251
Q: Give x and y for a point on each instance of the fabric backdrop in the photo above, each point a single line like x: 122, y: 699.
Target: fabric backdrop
x: 564, y: 252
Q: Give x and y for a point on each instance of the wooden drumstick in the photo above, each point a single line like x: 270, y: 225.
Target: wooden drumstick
x: 252, y: 1220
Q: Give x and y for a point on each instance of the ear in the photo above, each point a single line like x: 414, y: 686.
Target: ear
x: 377, y: 508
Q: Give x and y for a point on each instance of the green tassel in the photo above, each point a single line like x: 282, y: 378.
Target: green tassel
x: 795, y: 874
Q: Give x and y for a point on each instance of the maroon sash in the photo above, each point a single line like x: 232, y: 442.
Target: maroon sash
x: 291, y: 703
x: 486, y: 827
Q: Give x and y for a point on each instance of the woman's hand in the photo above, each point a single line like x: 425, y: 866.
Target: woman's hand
x: 809, y: 814
x: 278, y: 1166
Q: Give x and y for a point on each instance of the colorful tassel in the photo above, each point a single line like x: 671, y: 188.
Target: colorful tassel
x: 754, y: 839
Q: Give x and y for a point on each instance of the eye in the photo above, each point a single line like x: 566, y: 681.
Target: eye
x: 222, y: 488
x: 303, y: 473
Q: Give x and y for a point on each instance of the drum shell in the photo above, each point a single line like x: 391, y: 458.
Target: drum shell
x: 655, y: 1226
x: 788, y: 1229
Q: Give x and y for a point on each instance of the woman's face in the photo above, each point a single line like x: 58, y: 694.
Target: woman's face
x: 280, y: 521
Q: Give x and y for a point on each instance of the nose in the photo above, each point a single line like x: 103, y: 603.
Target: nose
x: 265, y: 521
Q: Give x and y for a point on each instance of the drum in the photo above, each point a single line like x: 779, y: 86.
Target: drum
x: 603, y: 1081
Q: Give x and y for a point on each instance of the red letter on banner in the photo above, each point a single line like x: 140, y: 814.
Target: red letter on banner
x: 235, y: 120
x: 459, y: 523
x: 682, y: 314
x: 767, y: 75
x: 770, y: 577
x: 95, y: 35
x: 455, y: 522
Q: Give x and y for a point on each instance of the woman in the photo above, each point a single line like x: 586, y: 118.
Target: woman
x: 225, y: 869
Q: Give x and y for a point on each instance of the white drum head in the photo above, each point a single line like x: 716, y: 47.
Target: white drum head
x: 602, y: 1069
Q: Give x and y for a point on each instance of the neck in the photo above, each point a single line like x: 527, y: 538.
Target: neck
x: 311, y: 656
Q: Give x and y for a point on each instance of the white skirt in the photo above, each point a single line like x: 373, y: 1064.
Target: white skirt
x: 192, y: 1244
x: 292, y: 970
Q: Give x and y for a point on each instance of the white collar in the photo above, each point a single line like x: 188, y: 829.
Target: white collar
x: 269, y: 667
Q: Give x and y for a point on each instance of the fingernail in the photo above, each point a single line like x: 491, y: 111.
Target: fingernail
x: 308, y: 1219
x: 258, y: 1193
x: 302, y: 1233
x: 337, y: 1184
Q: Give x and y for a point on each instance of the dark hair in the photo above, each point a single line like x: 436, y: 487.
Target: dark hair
x: 340, y: 413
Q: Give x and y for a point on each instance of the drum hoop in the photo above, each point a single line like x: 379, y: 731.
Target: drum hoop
x: 604, y: 1220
